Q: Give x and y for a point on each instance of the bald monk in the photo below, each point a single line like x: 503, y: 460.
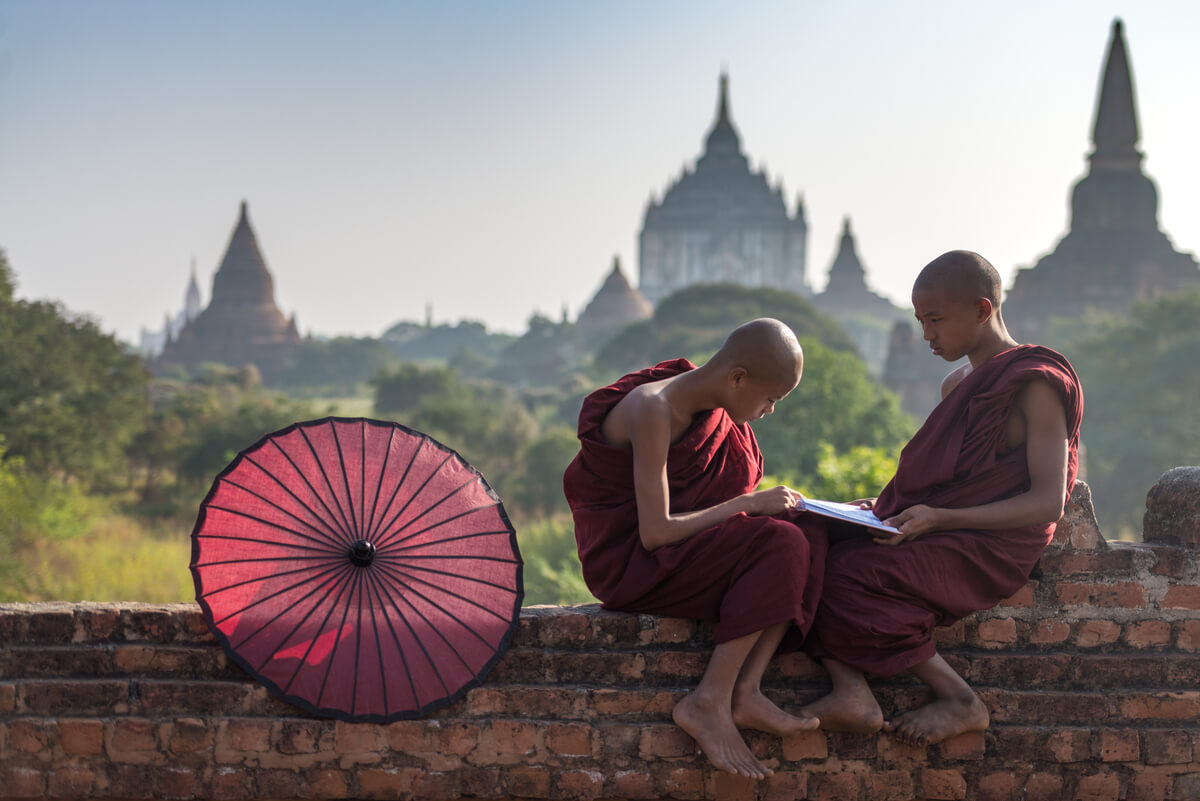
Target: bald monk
x: 976, y: 497
x: 668, y: 522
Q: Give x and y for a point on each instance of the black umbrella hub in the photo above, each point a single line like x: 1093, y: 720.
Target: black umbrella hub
x: 362, y: 553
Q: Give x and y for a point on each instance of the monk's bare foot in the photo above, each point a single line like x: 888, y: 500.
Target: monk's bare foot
x: 940, y: 720
x: 753, y: 710
x: 714, y: 731
x: 846, y: 710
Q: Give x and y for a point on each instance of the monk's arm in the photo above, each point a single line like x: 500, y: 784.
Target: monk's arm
x: 1046, y: 451
x: 650, y: 437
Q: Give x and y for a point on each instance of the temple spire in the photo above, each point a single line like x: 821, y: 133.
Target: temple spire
x: 1115, y: 133
x: 723, y: 100
x: 722, y: 141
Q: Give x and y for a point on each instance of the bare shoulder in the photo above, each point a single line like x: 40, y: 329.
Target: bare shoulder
x: 643, y: 409
x: 955, y: 378
x: 1038, y: 400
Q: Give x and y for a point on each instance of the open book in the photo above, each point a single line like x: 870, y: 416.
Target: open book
x: 846, y: 513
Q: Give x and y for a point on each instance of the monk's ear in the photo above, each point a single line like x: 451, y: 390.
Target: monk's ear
x: 983, y: 310
x: 738, y: 376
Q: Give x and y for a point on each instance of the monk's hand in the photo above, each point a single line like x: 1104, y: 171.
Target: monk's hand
x: 773, y: 501
x: 864, y: 503
x: 912, y: 522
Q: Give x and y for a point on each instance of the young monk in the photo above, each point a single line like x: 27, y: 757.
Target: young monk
x: 976, y: 497
x: 667, y: 522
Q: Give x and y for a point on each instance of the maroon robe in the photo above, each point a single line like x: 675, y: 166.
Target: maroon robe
x: 880, y: 602
x: 743, y: 575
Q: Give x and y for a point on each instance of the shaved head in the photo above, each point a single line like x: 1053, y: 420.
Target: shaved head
x: 766, y: 348
x: 963, y: 275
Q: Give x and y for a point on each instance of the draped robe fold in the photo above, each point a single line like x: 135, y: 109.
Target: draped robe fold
x: 743, y: 575
x: 880, y: 603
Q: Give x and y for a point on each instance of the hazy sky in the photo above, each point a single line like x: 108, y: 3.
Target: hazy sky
x: 490, y: 158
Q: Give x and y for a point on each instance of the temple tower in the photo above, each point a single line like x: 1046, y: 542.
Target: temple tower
x: 1114, y: 252
x: 241, y: 325
x: 615, y: 305
x: 721, y: 222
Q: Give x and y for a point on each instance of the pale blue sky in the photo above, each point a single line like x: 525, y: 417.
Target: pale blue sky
x: 491, y: 158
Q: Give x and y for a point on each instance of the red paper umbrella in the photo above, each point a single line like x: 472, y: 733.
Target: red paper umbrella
x: 359, y: 569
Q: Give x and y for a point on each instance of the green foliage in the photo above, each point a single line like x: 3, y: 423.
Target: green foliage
x: 552, y: 571
x: 838, y: 405
x: 860, y: 472
x: 71, y: 398
x: 1141, y: 417
x: 537, y: 490
x: 337, y: 366
x: 400, y: 390
x: 695, y: 321
x: 545, y: 351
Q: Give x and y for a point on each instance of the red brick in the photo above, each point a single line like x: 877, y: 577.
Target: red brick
x: 280, y: 783
x: 457, y: 739
x: 889, y: 785
x: 71, y: 782
x: 407, y: 736
x: 890, y: 749
x: 1181, y: 596
x: 729, y: 787
x: 96, y: 624
x: 81, y: 736
x: 515, y: 737
x: 1162, y: 706
x: 1187, y: 786
x: 969, y: 745
x: 189, y: 735
x: 1147, y: 633
x: 1149, y: 785
x: 1119, y: 745
x: 997, y: 787
x: 1044, y: 787
x: 528, y: 782
x: 1118, y: 594
x: 1098, y: 787
x: 325, y: 783
x: 805, y: 745
x: 1093, y: 633
x: 943, y: 785
x: 835, y: 786
x: 355, y: 738
x: 248, y: 734
x: 301, y: 737
x: 580, y: 784
x: 1070, y: 745
x: 1168, y: 747
x: 1187, y: 635
x: 229, y: 785
x: 478, y: 782
x: 376, y: 784
x: 125, y: 781
x: 564, y: 629
x: 131, y: 740
x: 994, y: 633
x: 953, y: 634
x: 635, y: 784
x: 8, y: 696
x: 668, y: 630
x: 684, y: 783
x: 174, y: 782
x: 20, y: 783
x: 1049, y: 632
x: 786, y: 785
x: 572, y: 740
x: 662, y: 740
x: 1022, y: 598
x: 81, y: 696
x: 29, y: 736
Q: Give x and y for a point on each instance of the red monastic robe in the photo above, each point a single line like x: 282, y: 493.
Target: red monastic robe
x: 880, y: 602
x: 742, y: 575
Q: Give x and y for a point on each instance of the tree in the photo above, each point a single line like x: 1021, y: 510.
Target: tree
x: 337, y: 366
x: 1140, y: 416
x: 71, y: 397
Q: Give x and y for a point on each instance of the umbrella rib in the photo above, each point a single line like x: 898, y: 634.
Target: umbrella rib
x: 472, y: 535
x: 336, y: 643
x: 387, y: 454
x: 329, y: 530
x: 264, y: 542
x: 270, y: 524
x: 324, y: 579
x: 441, y: 556
x: 459, y: 621
x: 260, y: 578
x: 332, y: 519
x: 460, y: 576
x: 412, y: 497
x: 407, y: 469
x: 321, y: 466
x: 436, y: 631
x: 432, y: 526
x: 337, y: 443
x: 387, y: 708
x: 357, y: 643
x: 433, y: 506
x: 313, y: 641
x: 396, y: 637
x: 271, y: 559
x: 459, y: 596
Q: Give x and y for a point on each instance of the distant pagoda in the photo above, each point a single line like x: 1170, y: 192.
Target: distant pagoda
x: 615, y: 305
x: 241, y: 324
x: 721, y: 222
x: 1114, y: 252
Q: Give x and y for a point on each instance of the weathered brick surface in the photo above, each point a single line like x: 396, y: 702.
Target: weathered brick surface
x: 1091, y: 672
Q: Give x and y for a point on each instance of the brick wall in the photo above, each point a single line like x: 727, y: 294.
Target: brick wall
x: 1092, y: 673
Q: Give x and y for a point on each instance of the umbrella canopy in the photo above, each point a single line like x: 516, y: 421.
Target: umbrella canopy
x: 357, y: 568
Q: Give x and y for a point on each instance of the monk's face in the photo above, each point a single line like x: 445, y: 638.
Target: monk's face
x: 753, y: 400
x: 951, y: 325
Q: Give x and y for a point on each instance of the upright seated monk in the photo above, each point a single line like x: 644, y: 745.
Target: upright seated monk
x: 668, y: 522
x: 976, y: 496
